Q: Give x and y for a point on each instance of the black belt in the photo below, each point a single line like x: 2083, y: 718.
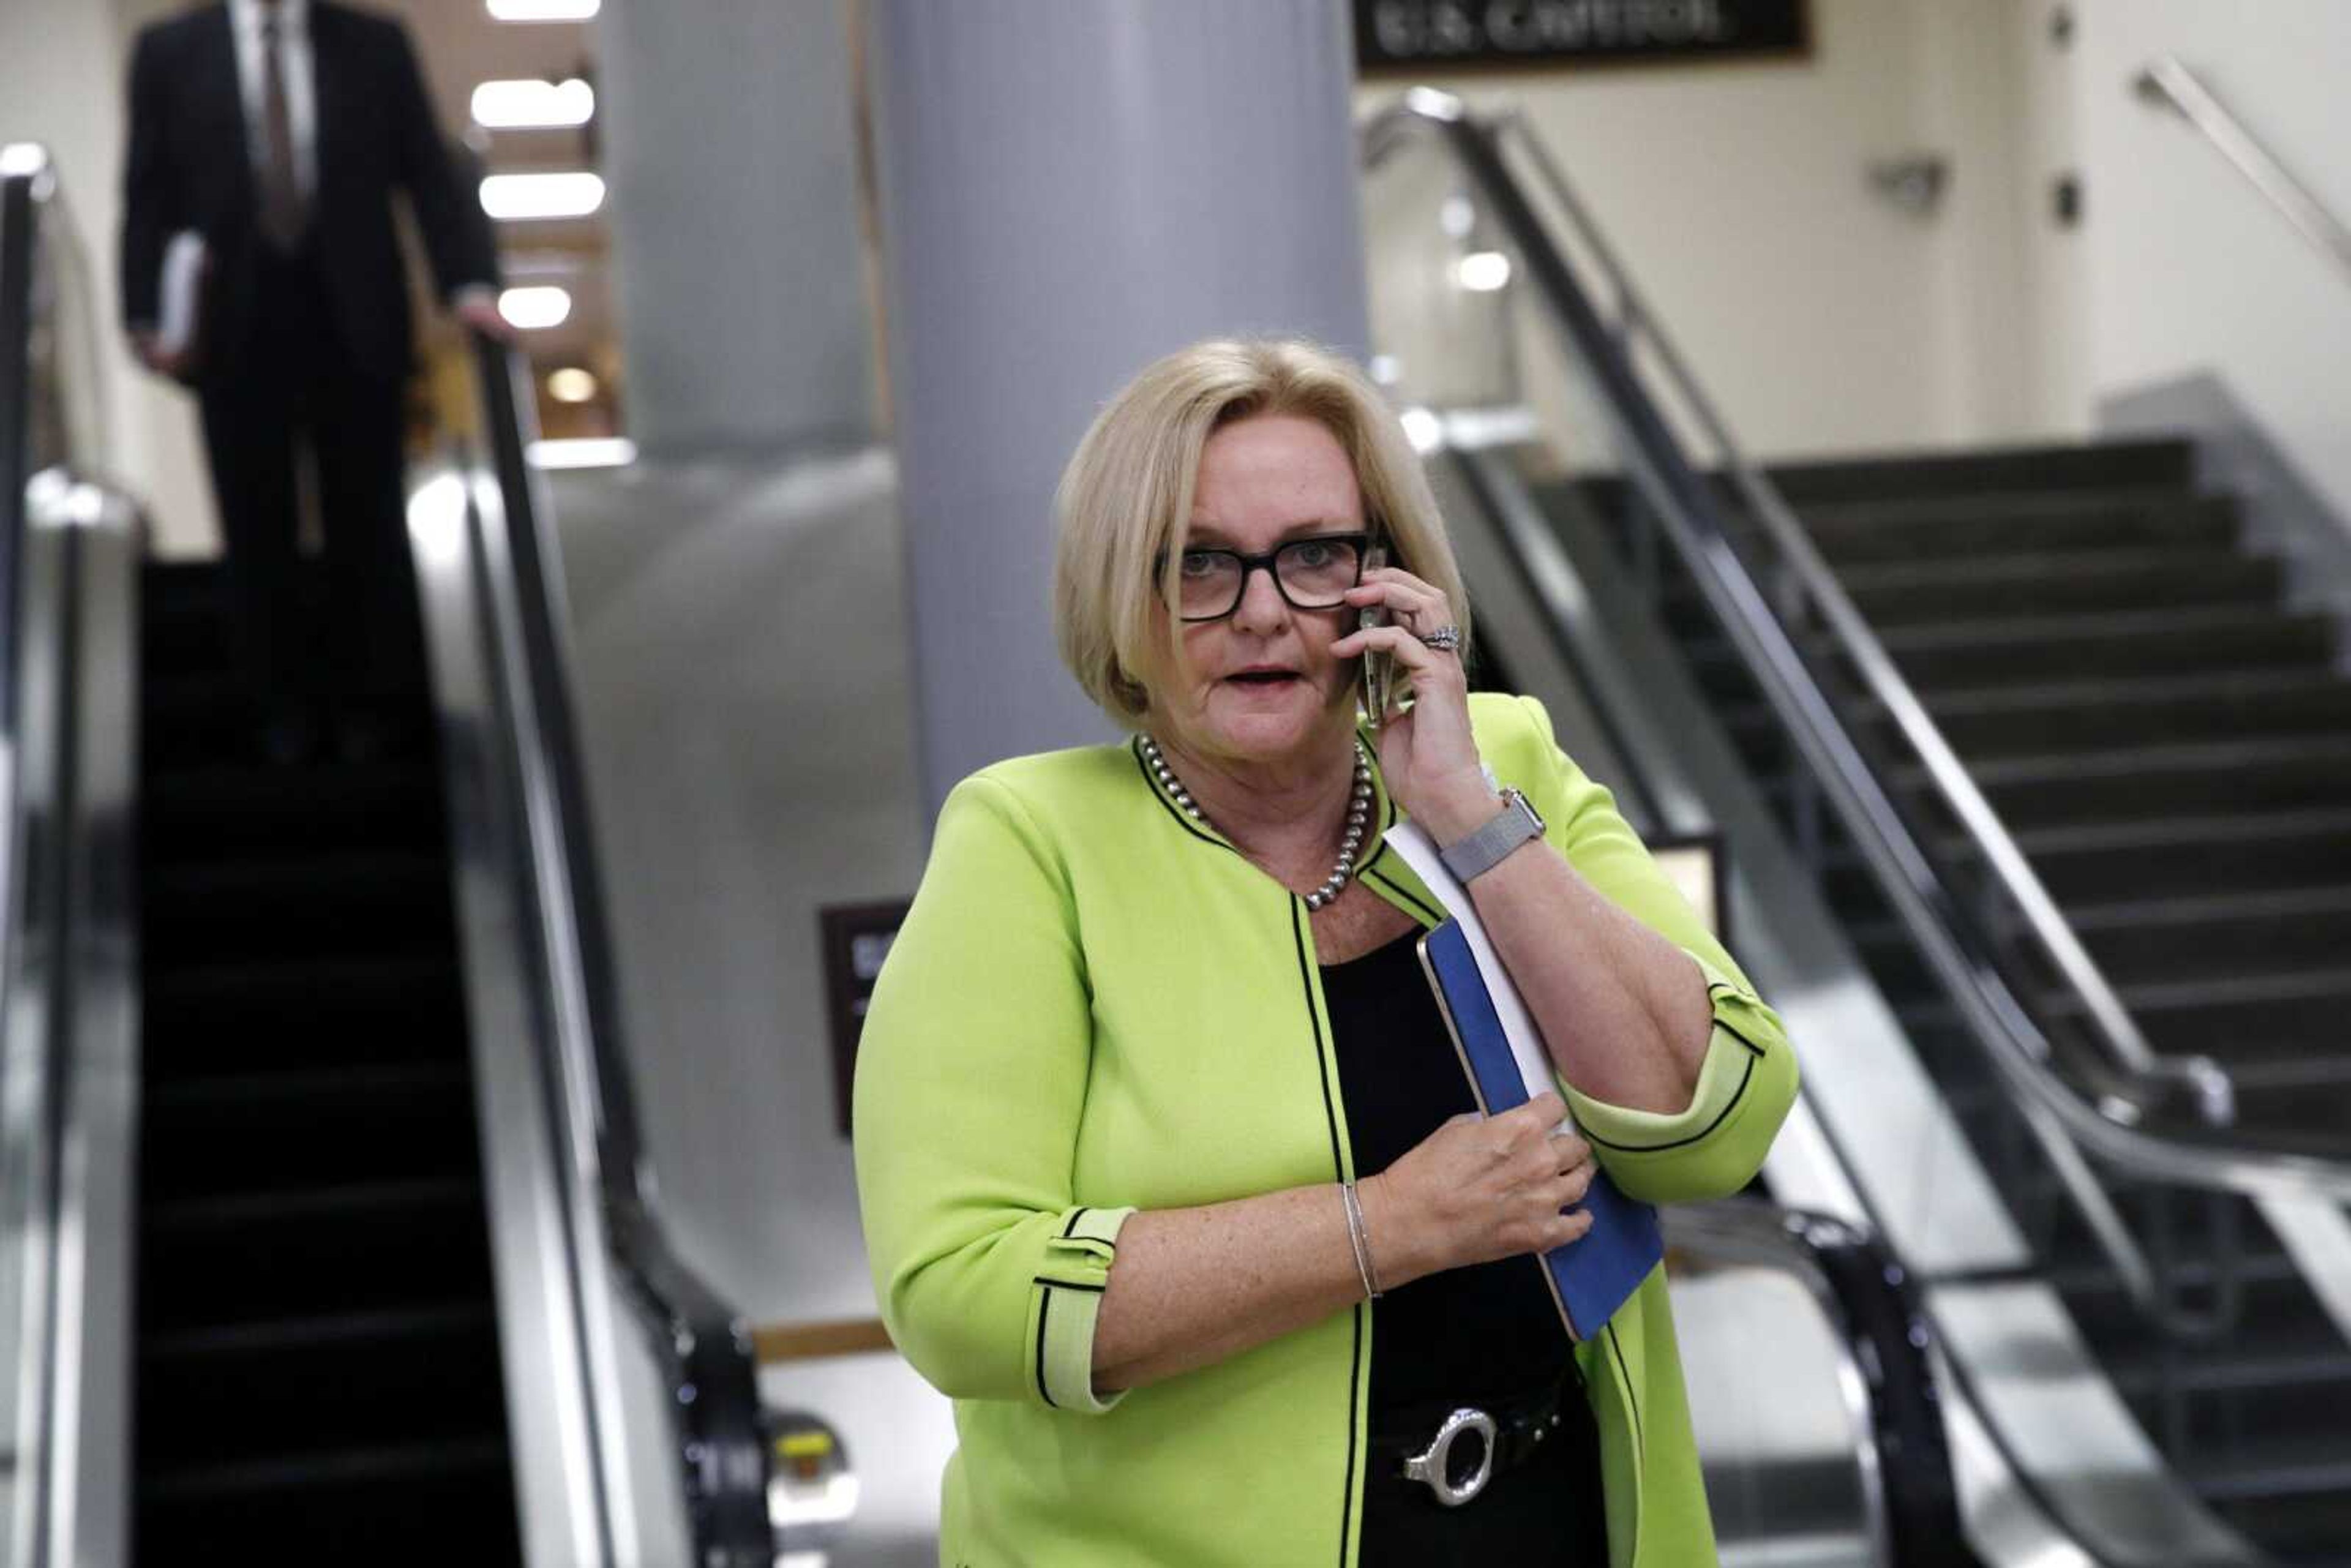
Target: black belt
x: 1458, y: 1455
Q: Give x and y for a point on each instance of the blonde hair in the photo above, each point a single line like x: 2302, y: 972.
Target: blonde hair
x: 1125, y: 499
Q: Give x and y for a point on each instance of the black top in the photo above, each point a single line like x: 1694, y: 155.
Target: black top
x: 1483, y: 1336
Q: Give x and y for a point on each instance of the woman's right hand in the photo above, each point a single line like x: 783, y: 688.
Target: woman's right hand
x: 1479, y: 1188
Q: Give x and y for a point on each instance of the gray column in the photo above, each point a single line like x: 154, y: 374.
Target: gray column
x: 1068, y: 190
x: 729, y: 150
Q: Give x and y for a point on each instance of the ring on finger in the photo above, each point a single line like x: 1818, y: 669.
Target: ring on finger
x: 1444, y: 639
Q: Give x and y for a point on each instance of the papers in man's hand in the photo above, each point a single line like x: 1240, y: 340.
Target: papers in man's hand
x: 178, y: 318
x: 1420, y: 852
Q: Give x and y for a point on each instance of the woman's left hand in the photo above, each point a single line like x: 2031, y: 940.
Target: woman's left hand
x: 1427, y: 751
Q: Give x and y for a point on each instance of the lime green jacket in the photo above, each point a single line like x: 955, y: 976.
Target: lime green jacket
x: 1097, y: 1006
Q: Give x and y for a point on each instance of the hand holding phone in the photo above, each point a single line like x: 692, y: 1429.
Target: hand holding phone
x: 1378, y: 666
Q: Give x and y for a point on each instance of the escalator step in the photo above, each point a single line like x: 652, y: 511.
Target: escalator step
x: 292, y: 1132
x: 352, y: 903
x: 260, y: 1016
x: 449, y: 1500
x: 323, y: 809
x: 272, y: 1390
x: 386, y: 1246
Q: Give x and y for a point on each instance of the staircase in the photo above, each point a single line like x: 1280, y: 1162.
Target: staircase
x: 318, y: 1371
x: 2170, y: 745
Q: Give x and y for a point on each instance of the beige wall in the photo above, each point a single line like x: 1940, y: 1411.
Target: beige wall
x: 2190, y: 270
x: 62, y: 69
x: 1818, y: 314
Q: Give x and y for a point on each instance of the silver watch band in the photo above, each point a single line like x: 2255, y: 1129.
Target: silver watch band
x: 1483, y: 849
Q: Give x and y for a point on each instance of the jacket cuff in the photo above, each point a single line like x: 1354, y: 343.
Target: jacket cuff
x: 1743, y: 1029
x: 1066, y: 1304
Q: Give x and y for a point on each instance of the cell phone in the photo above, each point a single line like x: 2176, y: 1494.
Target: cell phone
x: 1379, y: 666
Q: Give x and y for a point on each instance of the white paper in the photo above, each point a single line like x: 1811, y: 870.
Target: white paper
x: 1420, y: 852
x: 181, y: 284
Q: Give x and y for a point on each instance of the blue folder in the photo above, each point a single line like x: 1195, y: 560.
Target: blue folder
x: 1589, y: 1279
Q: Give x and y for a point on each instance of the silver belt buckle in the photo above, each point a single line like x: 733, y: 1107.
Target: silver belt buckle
x: 1432, y: 1470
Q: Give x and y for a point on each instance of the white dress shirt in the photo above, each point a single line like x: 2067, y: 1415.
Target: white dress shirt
x: 294, y: 59
x: 244, y: 18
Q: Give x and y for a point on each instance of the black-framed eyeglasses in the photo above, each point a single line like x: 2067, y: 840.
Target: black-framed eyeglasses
x: 1312, y: 573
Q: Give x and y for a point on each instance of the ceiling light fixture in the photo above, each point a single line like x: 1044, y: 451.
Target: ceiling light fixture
x: 543, y: 10
x: 528, y: 104
x: 531, y: 308
x: 572, y: 384
x: 567, y: 195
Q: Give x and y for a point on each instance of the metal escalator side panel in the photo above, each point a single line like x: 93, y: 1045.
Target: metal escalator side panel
x: 556, y: 1334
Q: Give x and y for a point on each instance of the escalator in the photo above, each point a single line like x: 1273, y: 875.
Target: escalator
x: 2066, y: 1006
x: 317, y: 1325
x: 325, y: 1230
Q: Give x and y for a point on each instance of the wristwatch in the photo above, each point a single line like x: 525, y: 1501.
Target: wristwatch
x: 1483, y: 849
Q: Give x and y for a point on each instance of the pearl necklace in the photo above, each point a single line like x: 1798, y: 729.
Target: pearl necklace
x: 1359, y: 806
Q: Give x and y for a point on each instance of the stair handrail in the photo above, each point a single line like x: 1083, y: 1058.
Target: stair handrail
x: 703, y: 1344
x: 2168, y: 83
x: 2111, y: 1129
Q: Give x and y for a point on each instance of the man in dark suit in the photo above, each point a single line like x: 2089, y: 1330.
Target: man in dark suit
x: 279, y: 131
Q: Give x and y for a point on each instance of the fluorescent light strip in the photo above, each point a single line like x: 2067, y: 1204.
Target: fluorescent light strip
x: 543, y: 10
x: 598, y: 452
x: 529, y: 104
x: 530, y: 308
x: 568, y: 195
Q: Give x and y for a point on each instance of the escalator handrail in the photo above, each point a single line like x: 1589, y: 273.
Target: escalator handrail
x: 1931, y: 911
x: 67, y: 929
x: 1888, y: 1343
x: 26, y: 178
x: 704, y: 1345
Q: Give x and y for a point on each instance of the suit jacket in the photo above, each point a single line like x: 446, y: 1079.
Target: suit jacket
x: 189, y: 167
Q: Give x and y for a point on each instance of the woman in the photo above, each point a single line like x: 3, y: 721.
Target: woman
x: 1152, y: 1101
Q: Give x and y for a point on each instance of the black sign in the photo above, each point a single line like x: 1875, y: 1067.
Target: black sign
x: 1436, y: 35
x: 857, y: 937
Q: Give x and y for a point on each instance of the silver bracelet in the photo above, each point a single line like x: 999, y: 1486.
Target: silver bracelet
x: 1360, y: 1239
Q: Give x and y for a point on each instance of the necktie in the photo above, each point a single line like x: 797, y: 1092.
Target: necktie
x: 284, y: 214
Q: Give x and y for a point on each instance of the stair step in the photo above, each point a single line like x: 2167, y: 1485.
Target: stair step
x: 321, y: 905
x: 2192, y: 936
x: 2109, y: 464
x: 2000, y: 721
x: 1899, y: 592
x: 2274, y: 1029
x: 2042, y: 649
x: 258, y: 1017
x: 2255, y: 773
x: 1961, y: 527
